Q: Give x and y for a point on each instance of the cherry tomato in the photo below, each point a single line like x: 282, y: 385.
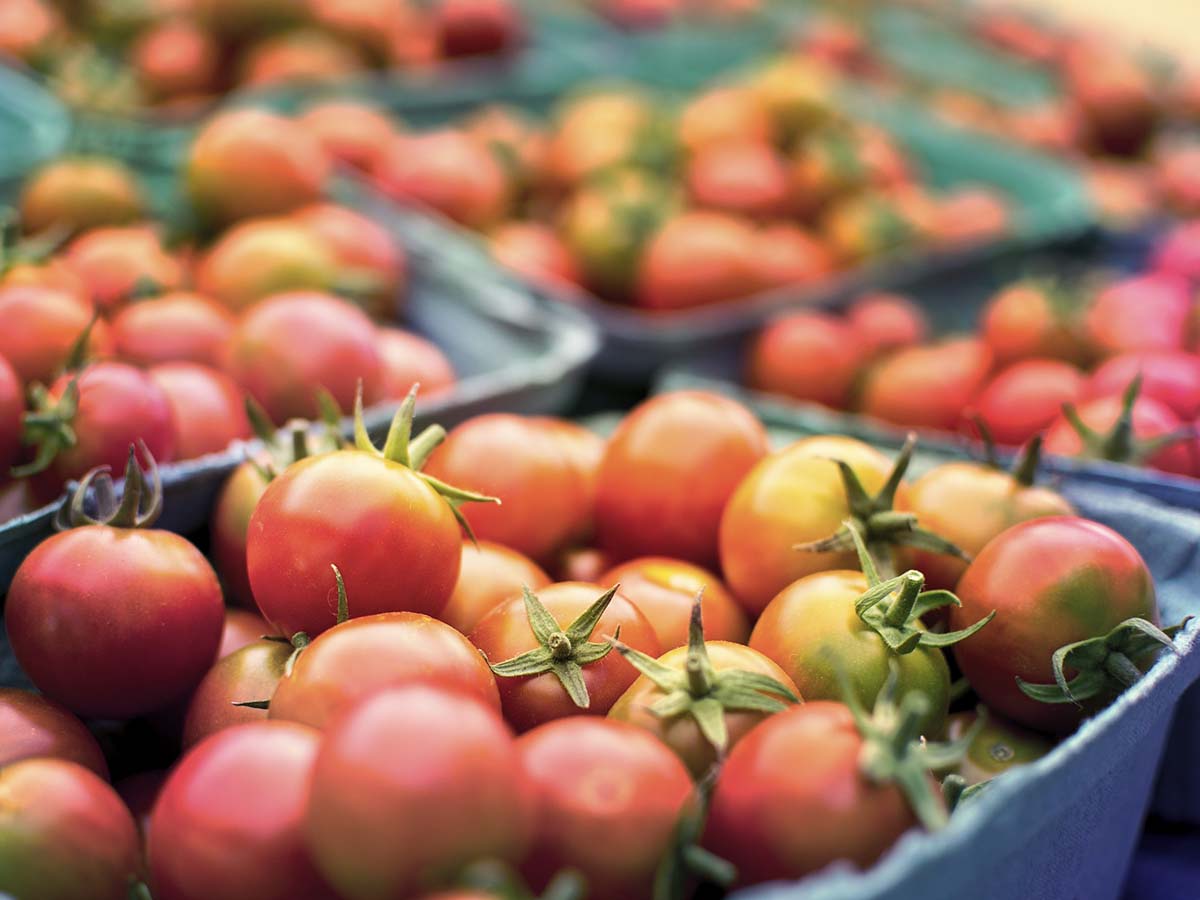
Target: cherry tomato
x: 477, y: 27
x: 1030, y: 319
x: 177, y: 327
x: 368, y: 822
x: 490, y: 574
x: 32, y: 725
x: 41, y: 326
x: 609, y: 796
x: 114, y: 262
x: 1172, y: 378
x: 582, y: 564
x: 176, y: 58
x: 51, y: 273
x: 1147, y: 313
x: 746, y: 177
x: 350, y: 131
x: 697, y: 258
x: 229, y: 527
x: 229, y: 821
x: 206, y: 408
x: 80, y: 193
x: 1150, y: 419
x: 882, y: 322
x: 594, y: 132
x: 139, y: 792
x: 787, y: 256
x: 536, y: 252
x: 12, y: 411
x: 410, y: 359
x: 998, y: 747
x: 372, y: 266
x: 1025, y: 398
x: 668, y: 471
x: 809, y: 356
x: 242, y: 627
x: 1178, y: 253
x: 927, y: 386
x: 515, y: 139
x: 301, y: 56
x: 723, y: 114
x: 970, y: 214
x: 248, y: 674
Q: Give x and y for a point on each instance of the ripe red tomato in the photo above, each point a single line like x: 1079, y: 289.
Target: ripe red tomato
x: 1150, y: 420
x: 581, y: 564
x: 489, y: 575
x: 475, y: 27
x: 516, y: 139
x: 883, y: 322
x: 1172, y: 378
x: 1053, y: 582
x: 786, y: 255
x: 80, y: 193
x: 176, y: 327
x: 927, y: 386
x: 242, y: 627
x: 288, y: 346
x: 228, y: 529
x: 1025, y: 398
x: 1178, y: 252
x: 41, y: 325
x: 1030, y: 319
x: 32, y: 725
x: 64, y: 833
x: 970, y: 214
x: 668, y: 471
x: 176, y: 58
x: 720, y: 114
x: 1146, y: 313
x: 249, y: 674
x: 116, y: 261
x: 536, y: 252
x: 350, y: 131
x: 529, y: 700
x: 1175, y: 177
x: 207, y: 409
x: 808, y: 356
x: 747, y: 177
x: 301, y: 56
x: 609, y: 796
x: 368, y: 823
x: 229, y: 821
x: 410, y: 359
x: 12, y: 412
x: 664, y: 590
x: 373, y: 267
x: 697, y: 258
x: 51, y: 273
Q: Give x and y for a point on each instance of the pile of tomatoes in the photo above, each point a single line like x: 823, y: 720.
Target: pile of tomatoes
x: 180, y: 55
x: 117, y: 330
x: 609, y: 688
x: 1106, y: 368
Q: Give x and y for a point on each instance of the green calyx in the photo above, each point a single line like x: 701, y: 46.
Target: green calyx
x: 1025, y: 467
x: 880, y: 526
x: 893, y: 751
x: 563, y: 651
x: 298, y: 439
x: 401, y: 447
x: 34, y: 249
x: 686, y: 863
x: 140, y: 504
x: 1103, y: 666
x: 703, y: 693
x: 893, y: 607
x: 1120, y: 443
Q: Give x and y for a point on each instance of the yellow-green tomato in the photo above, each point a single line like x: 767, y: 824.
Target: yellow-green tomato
x: 999, y: 746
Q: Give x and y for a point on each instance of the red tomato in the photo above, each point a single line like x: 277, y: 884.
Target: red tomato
x: 229, y: 821
x: 176, y: 58
x: 746, y: 177
x: 51, y: 273
x: 530, y: 700
x: 32, y: 725
x: 299, y: 56
x: 362, y: 655
x: 517, y: 140
x: 536, y: 252
x: 206, y: 408
x: 114, y: 262
x: 350, y: 131
x: 1023, y: 399
x: 609, y: 796
x: 178, y: 327
x: 489, y: 575
x: 288, y: 346
x: 1147, y: 313
x: 721, y: 114
x: 970, y: 214
x: 664, y: 590
x: 228, y: 528
x: 883, y: 322
x: 1030, y: 319
x: 582, y: 564
x: 250, y: 673
x: 474, y: 27
x: 1150, y: 420
x: 696, y: 259
x: 12, y: 411
x: 139, y: 793
x: 668, y: 471
x: 1053, y: 582
x: 808, y: 356
x: 1178, y: 253
x: 80, y: 193
x: 786, y: 255
x: 1172, y: 378
x: 41, y: 325
x: 64, y: 833
x: 1176, y: 180
x: 927, y: 386
x: 368, y: 823
x: 242, y: 627
x: 410, y: 359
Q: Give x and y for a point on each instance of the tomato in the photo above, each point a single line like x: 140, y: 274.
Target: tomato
x: 697, y: 258
x: 409, y: 359
x: 544, y: 497
x: 364, y: 654
x: 228, y: 528
x: 81, y: 193
x: 1172, y: 378
x: 516, y: 140
x: 970, y: 214
x: 796, y: 94
x: 1026, y: 397
x: 787, y: 255
x: 1114, y: 96
x: 115, y: 262
x: 289, y: 346
x: 261, y: 257
x: 249, y: 162
x: 299, y: 56
x: 595, y: 132
x: 535, y: 252
x: 350, y: 131
x: 176, y: 327
x: 12, y: 411
x: 248, y: 674
x: 664, y: 590
x: 862, y: 226
x: 475, y: 27
x: 50, y: 273
x: 229, y: 821
x: 1178, y: 252
x: 64, y: 834
x: 609, y: 796
x: 206, y: 408
x: 836, y: 162
x: 373, y: 268
x: 1034, y: 319
x: 746, y: 177
x: 724, y: 114
x: 927, y: 386
x: 1146, y: 313
x: 45, y: 324
x: 1152, y: 424
x: 1053, y: 582
x: 32, y: 726
x: 369, y: 820
x: 882, y: 322
x: 792, y: 496
x: 998, y: 746
x: 246, y: 18
x: 139, y: 792
x: 582, y: 564
x: 810, y: 356
x: 27, y: 29
x: 490, y: 574
x: 175, y: 58
x: 242, y: 627
x: 668, y: 471
x: 599, y: 678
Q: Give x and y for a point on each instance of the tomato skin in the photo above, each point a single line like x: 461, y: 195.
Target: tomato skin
x: 34, y: 726
x: 228, y: 530
x: 477, y: 27
x: 368, y: 822
x: 808, y: 356
x: 52, y: 273
x: 229, y: 819
x: 176, y: 58
x: 594, y: 132
x: 530, y: 700
x: 113, y: 260
x: 746, y: 177
x: 362, y: 655
x: 242, y: 627
x: 664, y: 590
x: 681, y: 733
x: 490, y: 574
x: 1170, y: 378
x: 787, y: 255
x: 79, y: 194
x: 999, y: 746
x: 775, y: 819
x: 206, y: 408
x: 1052, y: 581
x: 112, y: 622
x: 176, y: 327
x: 882, y: 322
x: 361, y: 247
x: 970, y: 215
x: 1022, y: 322
x: 349, y: 131
x: 927, y: 386
x: 1025, y: 398
x: 1178, y: 253
x: 792, y: 496
x: 697, y: 258
x: 536, y: 252
x: 723, y: 114
x: 393, y: 537
x: 139, y: 793
x: 668, y: 471
x: 409, y: 359
x: 608, y: 798
x: 45, y: 323
x: 1146, y: 313
x: 300, y: 55
x: 12, y: 410
x: 250, y: 673
x: 1151, y: 419
x: 64, y: 834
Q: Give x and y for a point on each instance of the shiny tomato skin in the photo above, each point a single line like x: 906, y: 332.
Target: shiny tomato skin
x: 363, y: 655
x: 207, y: 408
x: 681, y: 733
x: 490, y: 574
x: 32, y: 725
x: 608, y: 798
x: 249, y: 673
x: 774, y: 819
x: 697, y: 258
x: 410, y: 359
x: 350, y: 131
x: 927, y: 386
x: 176, y: 58
x: 1025, y: 398
x: 229, y: 527
x: 747, y: 177
x: 787, y: 255
x: 45, y: 323
x: 242, y: 627
x: 530, y: 700
x: 12, y: 411
x: 229, y: 820
x: 113, y: 261
x: 1151, y: 419
x: 809, y: 356
x: 362, y: 249
x: 1146, y: 313
x: 1022, y: 321
x: 399, y: 762
x: 668, y: 471
x: 811, y: 628
x: 1052, y: 582
x: 664, y: 590
x: 176, y: 327
x: 536, y: 252
x: 882, y: 322
x: 1172, y: 378
x: 585, y: 450
x: 113, y: 622
x: 64, y: 834
x: 792, y: 496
